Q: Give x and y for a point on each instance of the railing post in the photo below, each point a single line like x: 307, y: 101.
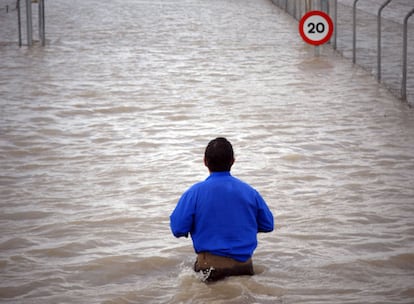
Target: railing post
x: 324, y: 4
x: 335, y: 17
x: 404, y: 59
x: 42, y: 35
x: 29, y: 22
x: 317, y: 5
x: 294, y: 10
x: 379, y: 39
x: 19, y: 22
x: 308, y: 5
x: 354, y: 31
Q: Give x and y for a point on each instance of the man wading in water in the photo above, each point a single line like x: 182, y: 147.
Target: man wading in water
x: 223, y: 216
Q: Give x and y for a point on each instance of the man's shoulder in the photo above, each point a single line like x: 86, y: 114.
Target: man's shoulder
x: 195, y: 186
x: 242, y: 183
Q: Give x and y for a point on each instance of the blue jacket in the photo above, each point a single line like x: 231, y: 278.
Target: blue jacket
x: 223, y: 216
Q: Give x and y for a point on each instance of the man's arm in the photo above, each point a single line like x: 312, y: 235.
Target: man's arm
x: 265, y: 221
x: 181, y: 220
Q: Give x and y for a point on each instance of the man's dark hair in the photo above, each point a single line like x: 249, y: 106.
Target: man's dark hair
x: 219, y: 155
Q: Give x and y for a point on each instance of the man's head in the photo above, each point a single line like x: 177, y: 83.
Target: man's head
x: 219, y: 155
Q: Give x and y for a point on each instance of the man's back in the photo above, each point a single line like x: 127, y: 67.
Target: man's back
x: 223, y: 216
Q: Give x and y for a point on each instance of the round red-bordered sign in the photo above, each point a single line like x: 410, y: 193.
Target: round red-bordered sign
x: 316, y: 27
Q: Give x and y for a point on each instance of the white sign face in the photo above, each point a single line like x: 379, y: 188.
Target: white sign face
x: 316, y: 27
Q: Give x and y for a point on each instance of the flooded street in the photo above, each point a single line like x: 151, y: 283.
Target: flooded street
x: 104, y: 128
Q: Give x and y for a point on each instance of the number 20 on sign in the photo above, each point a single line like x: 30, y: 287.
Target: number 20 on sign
x: 316, y: 27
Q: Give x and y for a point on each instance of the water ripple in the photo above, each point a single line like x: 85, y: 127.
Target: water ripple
x: 103, y: 129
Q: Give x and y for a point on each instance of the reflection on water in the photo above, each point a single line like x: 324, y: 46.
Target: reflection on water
x: 102, y: 130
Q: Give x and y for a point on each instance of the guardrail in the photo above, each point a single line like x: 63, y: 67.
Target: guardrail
x: 351, y: 21
x: 379, y: 38
x: 405, y: 55
x: 27, y: 22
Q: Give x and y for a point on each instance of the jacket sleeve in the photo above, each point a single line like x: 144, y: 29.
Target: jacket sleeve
x: 181, y: 219
x: 265, y: 221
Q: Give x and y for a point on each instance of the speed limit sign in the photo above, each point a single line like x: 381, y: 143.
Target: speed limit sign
x: 316, y: 27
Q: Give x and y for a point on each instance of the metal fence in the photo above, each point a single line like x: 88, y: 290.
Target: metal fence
x: 25, y: 10
x: 375, y: 34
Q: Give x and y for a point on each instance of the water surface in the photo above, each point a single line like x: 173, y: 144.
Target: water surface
x: 104, y: 128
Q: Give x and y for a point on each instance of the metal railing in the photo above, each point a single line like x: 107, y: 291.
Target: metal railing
x: 25, y: 19
x: 350, y: 21
x: 405, y: 55
x: 29, y: 21
x: 354, y: 32
x: 379, y: 38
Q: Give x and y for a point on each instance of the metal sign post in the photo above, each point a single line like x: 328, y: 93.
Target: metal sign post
x: 316, y: 28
